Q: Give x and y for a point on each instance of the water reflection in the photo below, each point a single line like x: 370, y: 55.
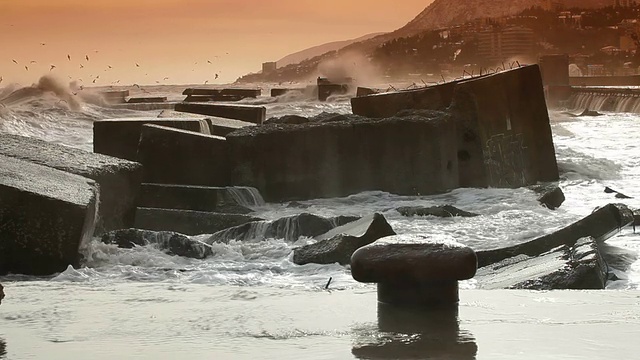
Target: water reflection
x: 415, y: 334
x: 3, y: 348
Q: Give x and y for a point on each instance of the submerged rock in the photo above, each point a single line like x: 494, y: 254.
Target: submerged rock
x: 549, y: 195
x: 339, y: 244
x: 568, y: 267
x: 170, y: 242
x: 289, y: 228
x: 619, y: 195
x: 440, y: 211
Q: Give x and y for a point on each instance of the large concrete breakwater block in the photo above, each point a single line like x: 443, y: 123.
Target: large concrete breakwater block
x: 174, y: 156
x: 221, y: 126
x: 221, y: 94
x: 346, y: 154
x: 249, y: 113
x: 502, y: 125
x: 188, y: 222
x: 45, y: 216
x: 236, y: 199
x: 120, y: 137
x: 119, y: 179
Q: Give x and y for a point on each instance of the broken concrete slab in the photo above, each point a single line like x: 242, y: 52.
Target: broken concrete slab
x: 120, y: 137
x: 549, y: 195
x: 337, y: 245
x: 249, y: 113
x: 230, y: 200
x: 119, y: 179
x: 188, y: 222
x: 170, y: 242
x: 174, y: 156
x: 45, y: 216
x: 439, y: 211
x: 246, y: 93
x: 147, y: 99
x: 577, y: 267
x: 221, y: 126
x: 601, y: 224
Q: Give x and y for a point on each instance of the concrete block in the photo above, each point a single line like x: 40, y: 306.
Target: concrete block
x: 174, y: 156
x: 221, y: 126
x: 45, y: 216
x: 119, y: 179
x: 249, y: 113
x: 188, y: 222
x: 148, y: 99
x: 120, y: 137
x: 252, y: 93
x: 115, y: 96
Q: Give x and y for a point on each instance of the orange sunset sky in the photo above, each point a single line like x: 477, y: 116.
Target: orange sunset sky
x: 176, y: 39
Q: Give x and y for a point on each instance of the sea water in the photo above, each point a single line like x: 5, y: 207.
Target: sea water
x: 143, y: 303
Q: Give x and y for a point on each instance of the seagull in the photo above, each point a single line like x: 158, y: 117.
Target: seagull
x: 94, y: 80
x: 33, y: 62
x: 81, y: 66
x: 136, y: 85
x: 69, y: 57
x: 216, y: 76
x: 86, y: 57
x: 26, y: 67
x: 137, y: 65
x: 43, y: 44
x: 1, y: 79
x: 209, y: 61
x: 166, y: 78
x: 206, y: 81
x: 52, y: 67
x: 14, y: 61
x: 109, y: 66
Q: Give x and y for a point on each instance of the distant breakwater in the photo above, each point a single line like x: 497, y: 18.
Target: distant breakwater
x: 621, y: 100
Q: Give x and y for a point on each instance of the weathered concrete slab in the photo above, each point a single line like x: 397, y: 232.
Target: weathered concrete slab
x: 504, y: 135
x: 232, y: 92
x: 170, y: 242
x: 230, y: 200
x: 601, y: 224
x: 221, y: 126
x: 333, y: 156
x: 45, y: 216
x: 120, y: 137
x: 289, y: 228
x: 386, y: 104
x: 187, y: 221
x: 174, y: 156
x: 119, y: 179
x: 568, y: 267
x: 147, y: 99
x: 217, y: 97
x: 248, y: 113
x: 281, y: 91
x: 337, y: 245
x: 115, y: 96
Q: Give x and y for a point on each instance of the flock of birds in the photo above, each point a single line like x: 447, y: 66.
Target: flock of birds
x: 95, y: 79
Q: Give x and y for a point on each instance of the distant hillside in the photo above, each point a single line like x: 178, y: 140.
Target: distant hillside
x: 443, y: 13
x: 321, y: 49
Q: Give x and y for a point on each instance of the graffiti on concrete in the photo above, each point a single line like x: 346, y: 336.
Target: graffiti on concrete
x: 505, y: 160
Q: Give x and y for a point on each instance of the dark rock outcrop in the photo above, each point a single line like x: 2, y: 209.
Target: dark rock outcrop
x: 337, y: 245
x: 120, y: 137
x: 601, y: 224
x: 439, y: 211
x: 119, y: 180
x: 188, y: 222
x: 229, y: 200
x: 289, y: 228
x: 619, y: 195
x: 174, y: 156
x: 45, y: 216
x: 569, y: 267
x: 170, y: 242
x: 549, y: 195
x: 338, y: 155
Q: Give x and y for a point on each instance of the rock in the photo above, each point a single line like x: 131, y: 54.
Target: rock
x: 188, y: 222
x: 120, y: 137
x: 636, y: 217
x: 170, y: 242
x: 568, y: 267
x: 221, y: 126
x: 549, y: 195
x: 619, y: 195
x: 440, y: 211
x: 289, y: 228
x: 403, y: 155
x: 1, y: 295
x: 119, y: 180
x: 337, y: 245
x: 173, y: 156
x: 601, y: 224
x: 45, y: 216
x: 412, y: 270
x: 248, y: 113
x: 229, y: 200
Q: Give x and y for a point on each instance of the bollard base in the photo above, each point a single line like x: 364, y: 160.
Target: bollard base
x: 425, y: 295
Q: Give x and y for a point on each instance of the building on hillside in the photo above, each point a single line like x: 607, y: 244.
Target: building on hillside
x: 269, y: 67
x: 552, y: 5
x: 623, y: 3
x: 499, y: 45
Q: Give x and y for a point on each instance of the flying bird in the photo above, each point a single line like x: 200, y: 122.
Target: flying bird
x: 216, y: 76
x: 33, y: 62
x: 43, y: 44
x: 81, y: 66
x: 137, y: 65
x: 206, y: 81
x: 109, y: 66
x: 136, y: 85
x: 52, y: 67
x: 1, y: 79
x: 69, y: 57
x: 94, y: 80
x: 166, y: 78
x: 86, y: 57
x: 14, y: 61
x: 209, y: 61
x: 26, y: 67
